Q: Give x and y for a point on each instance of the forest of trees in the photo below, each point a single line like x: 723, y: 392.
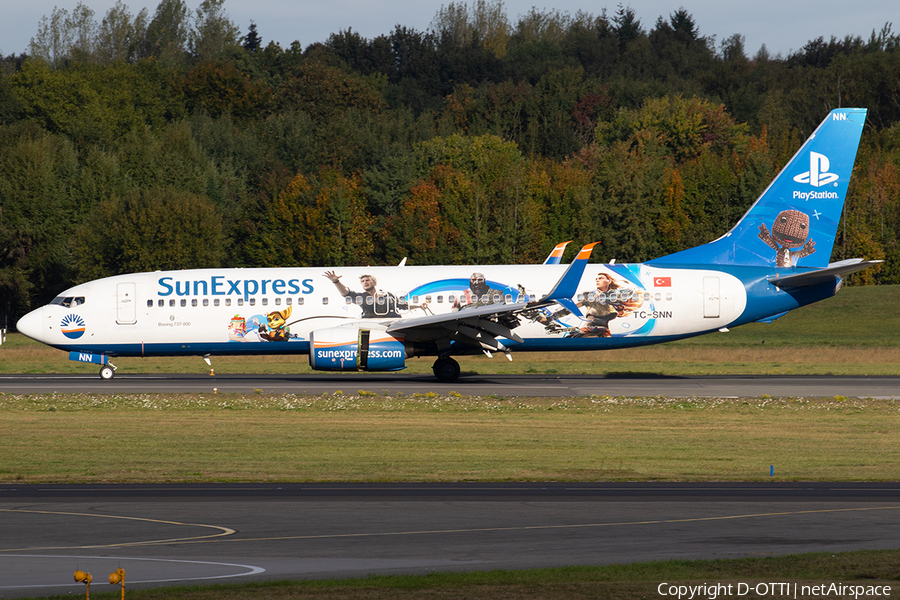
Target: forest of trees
x: 173, y: 139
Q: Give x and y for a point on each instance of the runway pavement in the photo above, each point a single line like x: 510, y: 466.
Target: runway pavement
x: 507, y: 385
x: 193, y: 534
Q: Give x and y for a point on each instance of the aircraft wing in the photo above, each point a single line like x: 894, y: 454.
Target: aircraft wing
x: 480, y: 326
x: 837, y: 269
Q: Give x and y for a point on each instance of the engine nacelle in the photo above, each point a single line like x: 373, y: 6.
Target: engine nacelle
x: 354, y: 348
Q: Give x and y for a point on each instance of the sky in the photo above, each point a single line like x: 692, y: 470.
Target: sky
x: 782, y: 25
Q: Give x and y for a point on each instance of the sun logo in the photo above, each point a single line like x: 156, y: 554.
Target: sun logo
x: 72, y: 327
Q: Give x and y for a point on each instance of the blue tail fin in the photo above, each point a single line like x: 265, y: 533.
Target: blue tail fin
x: 794, y: 222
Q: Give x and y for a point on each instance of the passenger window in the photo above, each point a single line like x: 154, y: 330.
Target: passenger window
x: 194, y: 302
x: 277, y: 301
x: 252, y: 301
x: 160, y: 303
x: 451, y: 298
x: 440, y: 299
x: 348, y: 300
x: 300, y: 301
x: 149, y: 303
x: 172, y: 302
x: 183, y: 302
x: 215, y: 301
x: 206, y: 302
x: 265, y: 301
x: 324, y: 299
x: 428, y: 299
x: 227, y: 301
x: 288, y: 301
x: 240, y: 301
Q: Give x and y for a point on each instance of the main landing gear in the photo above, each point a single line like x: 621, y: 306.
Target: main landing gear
x: 446, y: 369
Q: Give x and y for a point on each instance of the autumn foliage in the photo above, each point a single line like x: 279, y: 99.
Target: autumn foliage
x: 167, y: 141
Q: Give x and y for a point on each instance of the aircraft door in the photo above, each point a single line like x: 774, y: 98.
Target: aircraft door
x: 711, y: 297
x: 126, y: 304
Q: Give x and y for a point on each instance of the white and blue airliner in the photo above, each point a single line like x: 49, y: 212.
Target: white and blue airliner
x: 776, y: 259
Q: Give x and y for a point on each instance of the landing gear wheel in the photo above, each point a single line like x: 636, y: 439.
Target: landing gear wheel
x: 446, y: 369
x: 107, y: 372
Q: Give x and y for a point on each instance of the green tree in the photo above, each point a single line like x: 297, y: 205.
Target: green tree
x: 218, y: 88
x: 64, y: 36
x: 213, y: 32
x: 676, y: 126
x: 150, y: 229
x: 480, y: 182
x: 166, y: 36
x: 485, y: 22
x: 91, y: 103
x: 37, y: 214
x: 120, y: 34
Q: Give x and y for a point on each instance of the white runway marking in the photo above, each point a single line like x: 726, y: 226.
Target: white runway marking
x: 118, y: 561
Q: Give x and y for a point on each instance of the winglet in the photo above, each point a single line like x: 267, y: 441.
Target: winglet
x: 567, y: 285
x: 555, y: 256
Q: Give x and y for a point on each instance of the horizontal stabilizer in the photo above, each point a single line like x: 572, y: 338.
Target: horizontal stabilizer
x: 838, y: 269
x: 773, y: 318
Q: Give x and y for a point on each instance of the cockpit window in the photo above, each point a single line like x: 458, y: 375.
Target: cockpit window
x: 68, y: 301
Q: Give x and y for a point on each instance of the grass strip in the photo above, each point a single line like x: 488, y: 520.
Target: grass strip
x: 365, y: 436
x: 623, y: 582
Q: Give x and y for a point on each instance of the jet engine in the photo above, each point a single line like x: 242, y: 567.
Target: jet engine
x: 355, y: 348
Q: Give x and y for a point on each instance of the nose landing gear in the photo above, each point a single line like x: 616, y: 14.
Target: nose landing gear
x: 108, y: 371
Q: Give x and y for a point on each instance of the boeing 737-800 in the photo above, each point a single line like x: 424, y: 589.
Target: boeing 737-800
x: 376, y: 318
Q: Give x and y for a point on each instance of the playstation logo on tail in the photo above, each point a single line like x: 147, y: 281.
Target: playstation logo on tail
x: 818, y: 174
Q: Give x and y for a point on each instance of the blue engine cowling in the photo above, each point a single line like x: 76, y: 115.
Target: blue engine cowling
x: 353, y: 348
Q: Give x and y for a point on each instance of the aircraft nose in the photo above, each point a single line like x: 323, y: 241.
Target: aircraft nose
x: 32, y: 325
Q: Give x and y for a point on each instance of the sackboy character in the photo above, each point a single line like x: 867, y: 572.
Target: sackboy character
x: 790, y: 230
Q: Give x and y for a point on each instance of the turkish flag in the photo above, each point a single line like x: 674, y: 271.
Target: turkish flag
x: 662, y: 282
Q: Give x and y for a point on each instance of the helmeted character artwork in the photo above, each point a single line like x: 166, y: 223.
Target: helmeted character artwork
x: 790, y: 230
